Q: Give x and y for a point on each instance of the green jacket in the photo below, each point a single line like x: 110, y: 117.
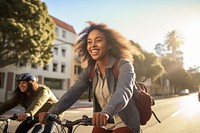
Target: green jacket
x: 41, y: 101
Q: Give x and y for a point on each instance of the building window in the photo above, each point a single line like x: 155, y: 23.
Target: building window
x: 63, y: 52
x: 46, y: 68
x: 2, y: 76
x: 64, y: 34
x: 33, y: 66
x: 62, y: 68
x: 55, y: 67
x: 77, y: 69
x: 55, y: 50
x: 54, y: 83
x: 57, y: 31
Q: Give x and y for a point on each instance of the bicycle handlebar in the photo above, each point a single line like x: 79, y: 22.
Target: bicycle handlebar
x: 85, y: 120
x: 14, y: 117
x: 6, y: 121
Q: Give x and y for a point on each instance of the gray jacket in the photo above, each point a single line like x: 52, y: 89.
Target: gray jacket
x: 121, y: 101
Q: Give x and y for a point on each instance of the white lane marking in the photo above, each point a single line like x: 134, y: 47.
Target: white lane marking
x: 177, y: 112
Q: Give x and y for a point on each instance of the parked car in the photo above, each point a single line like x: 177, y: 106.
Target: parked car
x: 184, y: 92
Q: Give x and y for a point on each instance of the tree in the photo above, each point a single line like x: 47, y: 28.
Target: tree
x: 26, y: 32
x: 153, y: 65
x: 173, y: 41
x: 195, y: 77
x: 179, y: 78
x: 147, y: 65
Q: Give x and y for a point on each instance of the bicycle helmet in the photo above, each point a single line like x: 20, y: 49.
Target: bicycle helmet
x: 26, y: 77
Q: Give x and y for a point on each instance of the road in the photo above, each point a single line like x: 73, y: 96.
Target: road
x: 177, y: 115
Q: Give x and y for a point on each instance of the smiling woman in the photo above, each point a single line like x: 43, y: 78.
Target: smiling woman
x: 99, y: 47
x: 34, y: 98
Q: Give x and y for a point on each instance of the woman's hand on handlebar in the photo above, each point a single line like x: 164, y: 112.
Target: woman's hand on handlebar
x: 42, y: 117
x: 100, y: 119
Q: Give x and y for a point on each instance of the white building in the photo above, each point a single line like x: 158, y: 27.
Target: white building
x: 57, y: 75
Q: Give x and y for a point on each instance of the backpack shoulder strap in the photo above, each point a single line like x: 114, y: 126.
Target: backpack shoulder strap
x: 141, y: 86
x: 115, y: 69
x: 91, y: 73
x: 92, y: 69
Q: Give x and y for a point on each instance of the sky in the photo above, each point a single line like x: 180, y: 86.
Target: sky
x: 146, y: 22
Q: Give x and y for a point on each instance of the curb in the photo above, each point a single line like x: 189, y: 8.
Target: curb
x: 81, y: 104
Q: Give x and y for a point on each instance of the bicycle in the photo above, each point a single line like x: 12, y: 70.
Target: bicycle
x: 84, y: 121
x: 6, y: 122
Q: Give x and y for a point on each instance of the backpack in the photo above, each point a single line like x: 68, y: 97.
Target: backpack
x: 142, y: 98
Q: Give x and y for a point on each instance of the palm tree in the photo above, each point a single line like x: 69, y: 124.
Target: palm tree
x: 173, y: 41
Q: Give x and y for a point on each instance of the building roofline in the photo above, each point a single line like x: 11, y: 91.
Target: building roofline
x: 63, y: 24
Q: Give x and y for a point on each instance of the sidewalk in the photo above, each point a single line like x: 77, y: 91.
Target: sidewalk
x: 82, y: 104
x: 163, y: 97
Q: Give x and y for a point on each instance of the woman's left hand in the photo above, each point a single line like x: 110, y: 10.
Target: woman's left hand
x: 100, y: 119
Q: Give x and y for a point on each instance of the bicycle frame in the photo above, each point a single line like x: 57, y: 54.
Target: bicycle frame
x: 6, y: 122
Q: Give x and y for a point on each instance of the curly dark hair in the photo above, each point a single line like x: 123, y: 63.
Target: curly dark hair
x: 22, y: 96
x: 120, y: 46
